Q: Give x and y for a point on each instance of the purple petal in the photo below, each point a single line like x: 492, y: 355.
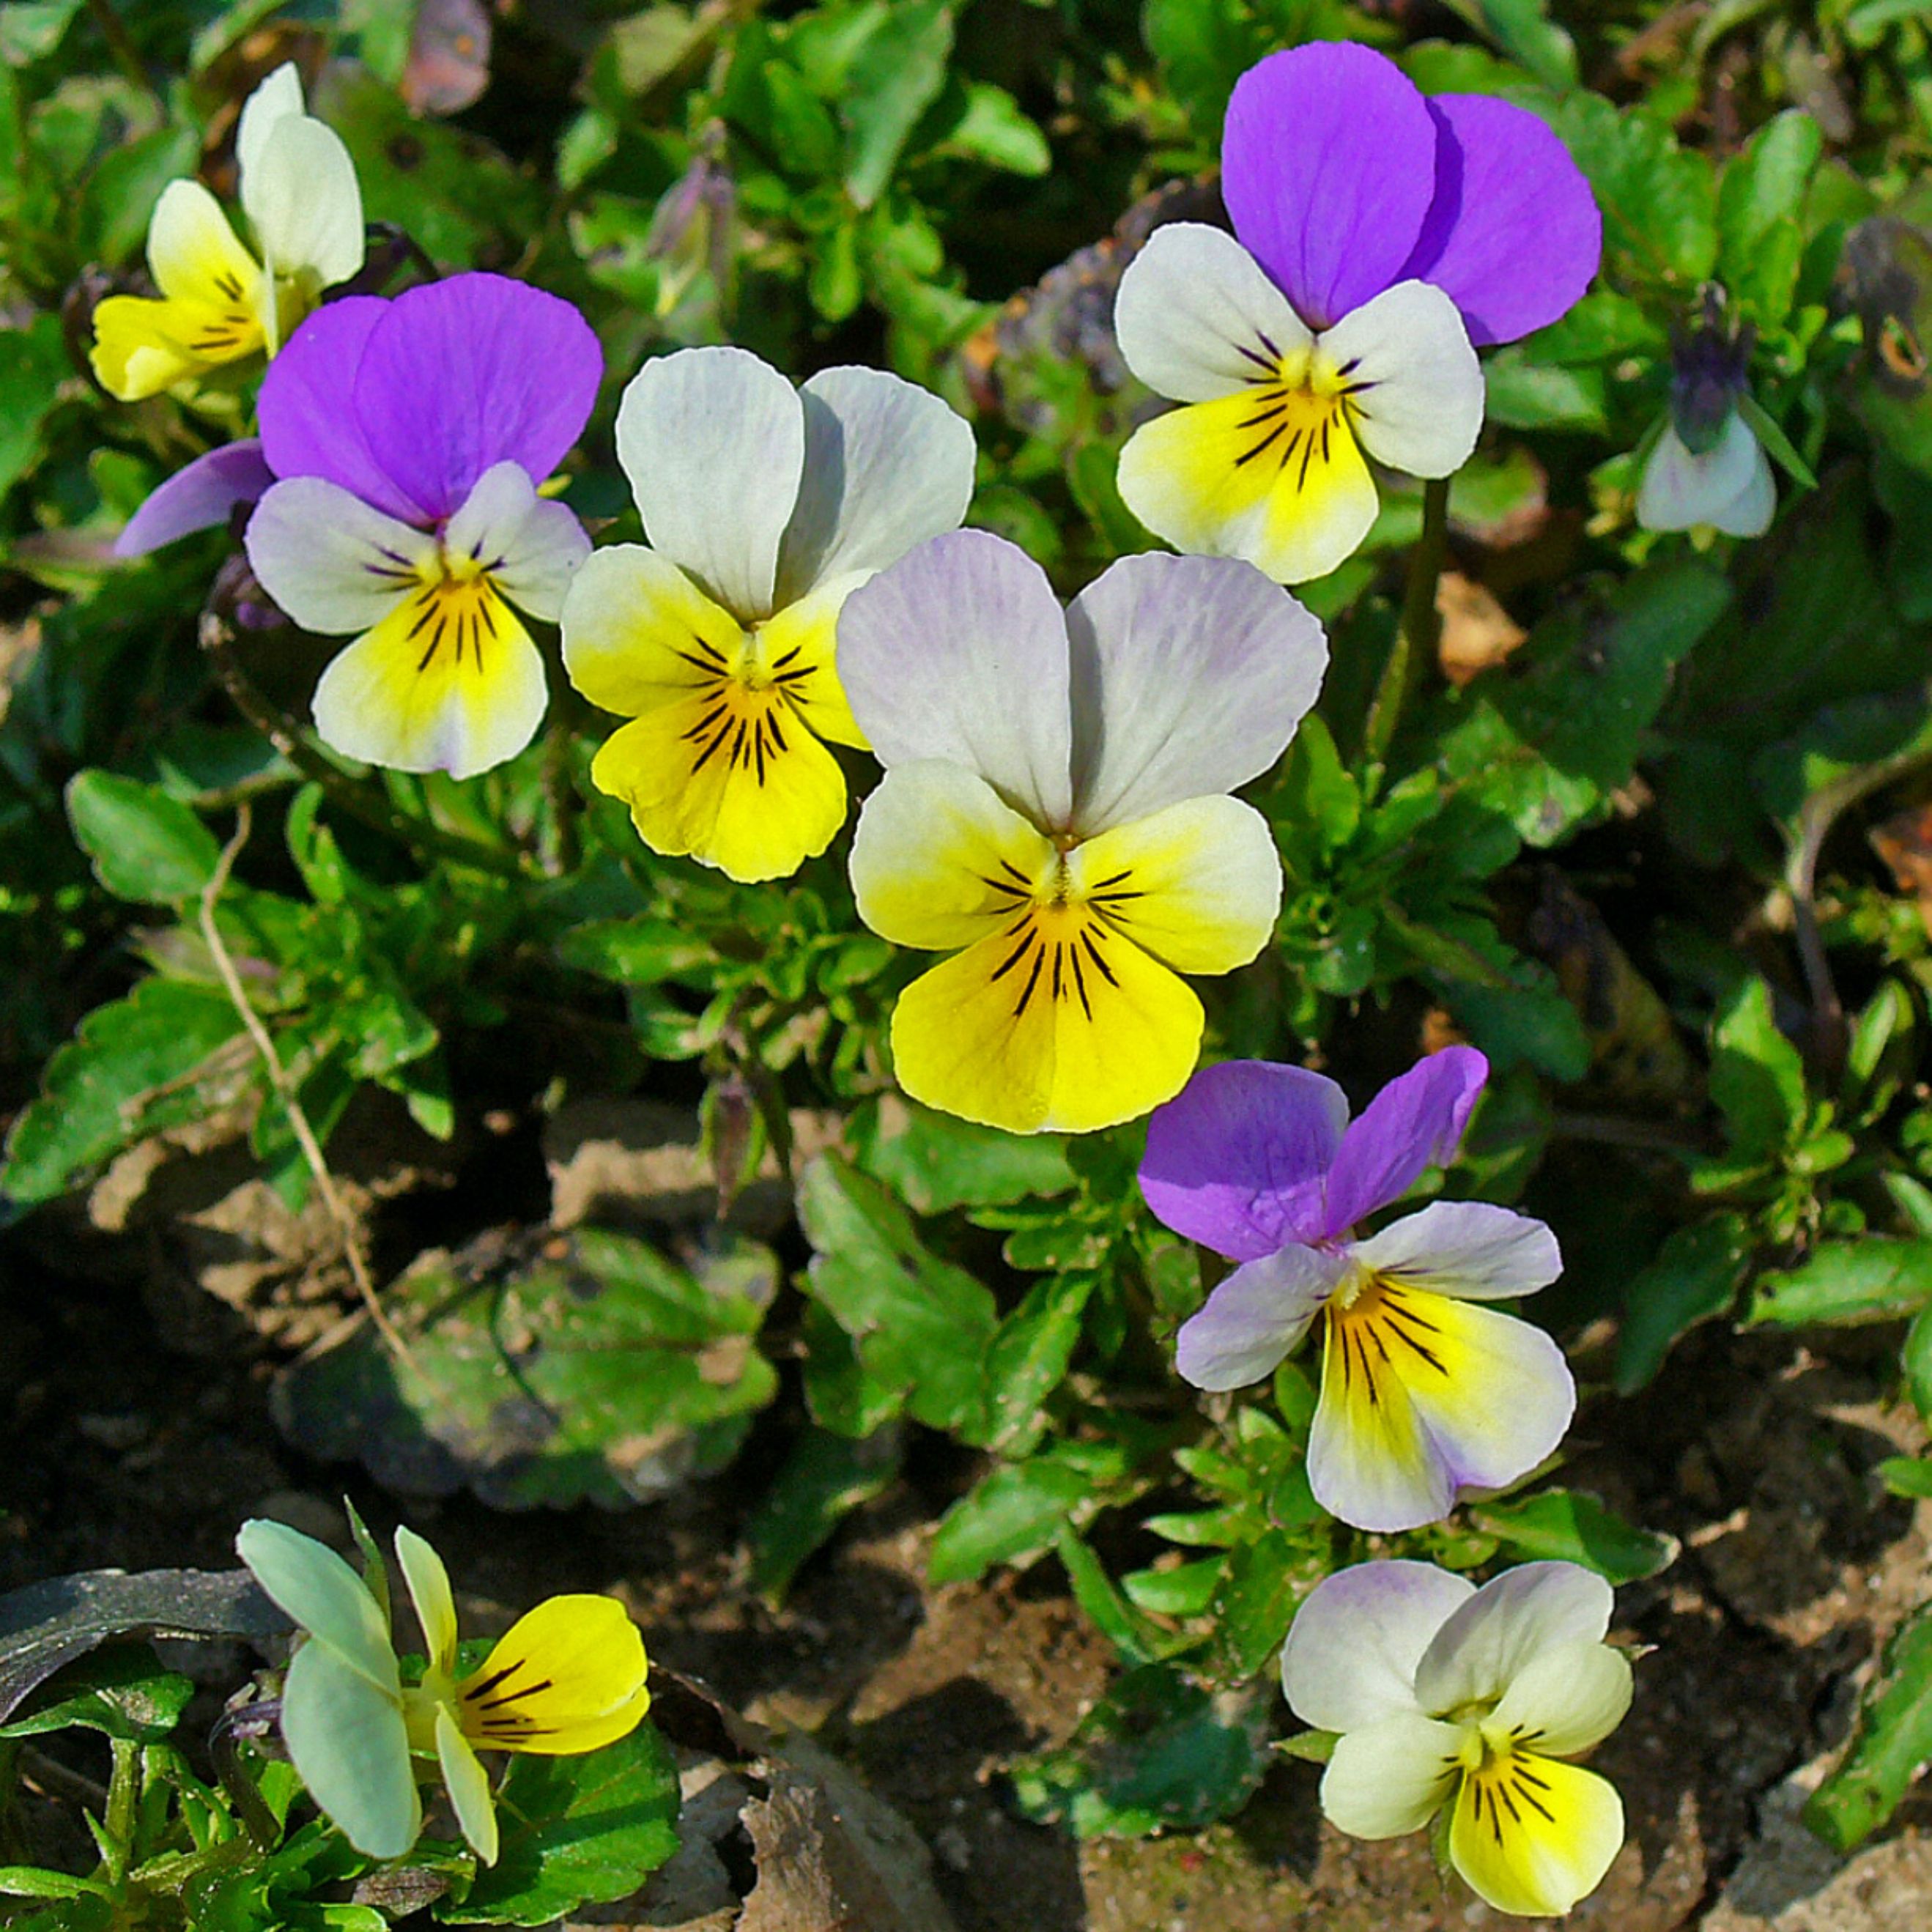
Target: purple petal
x: 1328, y: 167
x: 1513, y: 235
x: 466, y: 374
x: 309, y: 427
x: 1415, y: 1122
x: 1255, y: 1317
x: 1237, y: 1160
x: 197, y: 497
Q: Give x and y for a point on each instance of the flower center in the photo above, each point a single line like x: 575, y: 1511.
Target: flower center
x: 1302, y: 404
x: 1061, y: 935
x: 746, y: 702
x: 1503, y: 1780
x: 455, y: 606
x: 233, y: 330
x: 1377, y: 1332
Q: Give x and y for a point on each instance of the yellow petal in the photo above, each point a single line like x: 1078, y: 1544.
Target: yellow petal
x: 1533, y: 1835
x: 1198, y: 885
x: 940, y: 859
x: 449, y: 681
x: 638, y: 634
x: 429, y: 1592
x: 568, y: 1677
x: 730, y: 776
x: 1052, y: 1023
x: 142, y: 346
x: 468, y: 1784
x: 192, y: 253
x: 800, y: 640
x: 1270, y: 476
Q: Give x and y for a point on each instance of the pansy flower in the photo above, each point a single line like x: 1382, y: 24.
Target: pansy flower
x: 566, y: 1678
x: 1424, y: 1392
x: 1446, y: 1695
x: 1380, y: 238
x: 1707, y: 467
x: 218, y: 304
x: 408, y: 438
x: 766, y: 506
x: 1054, y: 815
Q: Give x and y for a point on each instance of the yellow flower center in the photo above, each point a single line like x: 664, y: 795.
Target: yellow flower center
x: 1502, y: 1780
x: 1301, y: 409
x: 746, y: 701
x: 455, y: 605
x: 1377, y: 1332
x: 1061, y: 937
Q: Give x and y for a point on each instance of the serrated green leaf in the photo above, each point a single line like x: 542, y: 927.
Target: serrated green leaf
x: 897, y: 76
x: 1874, y: 1279
x: 1573, y: 1527
x: 146, y: 846
x: 1891, y: 1737
x: 1696, y: 1273
x: 824, y: 1478
x: 934, y: 1162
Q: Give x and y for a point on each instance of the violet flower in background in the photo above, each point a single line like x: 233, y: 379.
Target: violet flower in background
x: 1380, y: 238
x: 1423, y: 1393
x: 409, y: 437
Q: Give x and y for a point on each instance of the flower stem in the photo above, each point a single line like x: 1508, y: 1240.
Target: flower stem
x: 1416, y: 634
x: 360, y: 801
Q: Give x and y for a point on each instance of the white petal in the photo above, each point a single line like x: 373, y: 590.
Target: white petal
x: 302, y: 197
x: 429, y: 1589
x: 1352, y: 1650
x: 886, y: 466
x: 958, y: 651
x: 1468, y: 1249
x: 530, y: 546
x: 1190, y: 676
x: 1729, y: 487
x: 348, y: 1740
x: 1565, y: 1699
x: 323, y: 1594
x: 1190, y: 304
x: 713, y: 441
x: 329, y: 560
x: 468, y: 1784
x: 1487, y: 1643
x: 1254, y: 1318
x: 1391, y: 1778
x: 276, y: 97
x: 1418, y: 401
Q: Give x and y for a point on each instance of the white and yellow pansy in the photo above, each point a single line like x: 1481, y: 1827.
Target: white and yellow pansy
x: 569, y: 1677
x: 1054, y: 815
x: 218, y: 303
x: 1442, y: 1695
x: 766, y: 506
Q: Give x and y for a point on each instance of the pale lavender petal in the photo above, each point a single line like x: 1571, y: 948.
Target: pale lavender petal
x: 1484, y: 1644
x: 463, y: 374
x: 1468, y: 1250
x: 1237, y: 1160
x: 1190, y: 674
x: 309, y: 425
x: 1328, y: 168
x: 1254, y: 1318
x: 958, y: 651
x: 1352, y: 1650
x: 1512, y: 236
x: 197, y: 497
x: 1415, y: 1123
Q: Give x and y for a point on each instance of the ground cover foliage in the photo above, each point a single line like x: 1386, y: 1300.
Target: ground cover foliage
x: 1652, y: 825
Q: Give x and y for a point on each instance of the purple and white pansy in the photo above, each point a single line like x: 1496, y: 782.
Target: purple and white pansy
x: 1381, y: 238
x: 1424, y: 1393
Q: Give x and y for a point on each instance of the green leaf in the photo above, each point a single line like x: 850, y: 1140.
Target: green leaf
x: 121, y: 1690
x: 1696, y: 1273
x: 1876, y: 1278
x: 1757, y: 1076
x: 1522, y: 392
x: 635, y: 951
x: 1137, y: 1638
x: 576, y: 1831
x: 918, y: 1324
x: 1915, y: 1358
x: 1029, y: 1357
x: 1907, y: 1476
x: 1157, y: 1753
x: 1575, y: 1527
x: 1263, y: 1582
x: 595, y: 1369
x: 1523, y: 30
x: 32, y: 361
x: 1891, y: 1737
x: 1015, y: 1513
x: 897, y: 76
x: 128, y: 1072
x: 1762, y: 192
x: 825, y: 1477
x: 1659, y: 202
x: 30, y: 30
x: 1777, y: 446
x: 146, y: 846
x: 992, y: 129
x: 934, y: 1162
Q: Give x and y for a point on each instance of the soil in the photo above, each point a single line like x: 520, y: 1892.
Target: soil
x: 137, y: 1434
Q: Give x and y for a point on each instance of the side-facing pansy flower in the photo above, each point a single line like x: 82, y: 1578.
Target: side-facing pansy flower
x: 1423, y: 1392
x: 1380, y: 238
x: 1707, y: 467
x: 1443, y: 1694
x: 217, y: 304
x: 568, y: 1677
x: 1054, y: 815
x: 766, y: 506
x: 409, y: 437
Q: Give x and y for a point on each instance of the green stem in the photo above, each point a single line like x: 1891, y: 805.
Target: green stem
x: 359, y: 801
x: 1416, y: 634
